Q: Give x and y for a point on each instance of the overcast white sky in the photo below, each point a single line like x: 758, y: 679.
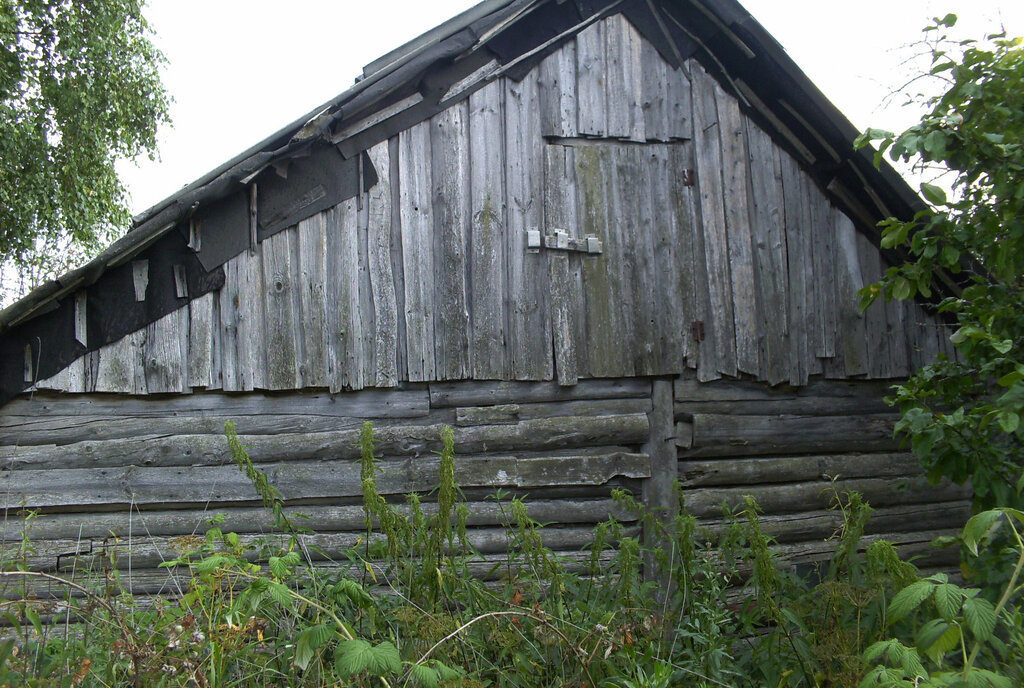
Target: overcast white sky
x: 240, y: 70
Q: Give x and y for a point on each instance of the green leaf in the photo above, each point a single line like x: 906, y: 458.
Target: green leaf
x: 309, y: 641
x: 385, y: 659
x: 902, y: 289
x: 1008, y: 421
x: 948, y: 598
x: 980, y: 617
x: 280, y: 593
x: 909, y: 598
x: 424, y: 676
x: 933, y: 194
x: 978, y: 527
x: 352, y: 656
x: 278, y: 567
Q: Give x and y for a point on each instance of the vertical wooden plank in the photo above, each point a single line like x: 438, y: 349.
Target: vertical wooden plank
x: 655, y: 105
x: 799, y: 269
x: 689, y: 241
x: 163, y: 358
x: 897, y: 340
x: 350, y: 314
x: 449, y: 132
x: 718, y: 350
x: 367, y: 343
x: 381, y: 277
x: 280, y: 316
x: 619, y: 196
x: 603, y: 323
x: 624, y: 87
x: 660, y: 491
x: 556, y: 93
x: 767, y: 221
x: 254, y: 328
x: 823, y: 234
x: 398, y: 260
x: 875, y: 325
x: 592, y: 119
x: 228, y: 299
x: 81, y: 318
x: 735, y: 165
x: 564, y: 310
x: 312, y: 268
x: 635, y: 217
x: 853, y: 353
x: 678, y: 103
x: 529, y: 323
x: 200, y: 341
x: 669, y: 290
x: 488, y: 240
x: 417, y: 248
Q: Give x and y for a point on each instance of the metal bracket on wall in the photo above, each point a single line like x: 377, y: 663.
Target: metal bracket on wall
x: 561, y: 241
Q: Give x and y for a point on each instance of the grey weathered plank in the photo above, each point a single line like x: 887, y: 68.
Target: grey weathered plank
x: 228, y: 302
x: 875, y: 326
x: 767, y: 221
x: 281, y: 291
x: 655, y: 102
x: 593, y: 168
x: 512, y: 413
x: 529, y: 324
x: 311, y: 245
x: 559, y: 214
x: 735, y: 174
x: 488, y: 240
x: 118, y: 366
x: 791, y: 469
x: 660, y: 490
x: 382, y: 282
x: 253, y: 335
x: 201, y: 331
x: 164, y: 362
x: 623, y: 80
x: 540, y: 434
x: 70, y: 379
x: 449, y: 132
x: 718, y: 350
x: 728, y: 435
x: 414, y: 170
x: 590, y: 81
x: 398, y: 260
x: 678, y: 99
x: 799, y: 270
x: 800, y: 405
x: 853, y: 351
x: 670, y: 290
x: 898, y: 342
x: 690, y: 390
x: 445, y: 395
x: 308, y: 479
x: 689, y: 235
x: 556, y: 93
x: 824, y: 219
x: 635, y: 216
x: 350, y: 339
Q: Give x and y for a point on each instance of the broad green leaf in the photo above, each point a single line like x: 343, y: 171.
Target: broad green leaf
x: 309, y: 641
x: 278, y: 567
x: 947, y: 598
x: 385, y: 659
x: 1008, y: 421
x: 977, y: 527
x: 909, y: 598
x: 424, y: 676
x: 1003, y: 346
x: 280, y: 593
x: 980, y: 616
x: 902, y: 288
x: 933, y: 194
x: 353, y: 656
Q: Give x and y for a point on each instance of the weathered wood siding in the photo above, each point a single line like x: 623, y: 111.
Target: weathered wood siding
x: 117, y: 482
x: 720, y: 253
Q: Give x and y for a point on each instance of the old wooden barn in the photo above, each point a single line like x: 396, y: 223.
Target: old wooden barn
x: 610, y: 244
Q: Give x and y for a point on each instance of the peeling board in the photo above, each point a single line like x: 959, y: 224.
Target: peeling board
x: 382, y: 284
x: 636, y: 218
x: 735, y: 166
x: 70, y: 379
x: 556, y: 92
x: 624, y: 82
x: 592, y: 118
x: 678, y: 99
x: 119, y: 366
x: 668, y: 288
x: 229, y: 300
x: 689, y: 249
x: 280, y: 290
x: 770, y: 259
x: 312, y: 284
x: 253, y: 333
x: 800, y: 269
x: 449, y: 132
x: 718, y: 350
x: 875, y: 328
x: 164, y: 361
x: 488, y: 240
x: 529, y: 324
x: 415, y: 206
x: 823, y: 232
x: 655, y: 99
x: 853, y: 353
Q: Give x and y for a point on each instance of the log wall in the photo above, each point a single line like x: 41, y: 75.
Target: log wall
x: 719, y: 253
x: 117, y: 482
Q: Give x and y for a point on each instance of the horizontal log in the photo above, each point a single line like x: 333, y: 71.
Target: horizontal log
x: 726, y: 435
x: 370, y: 403
x: 541, y: 434
x: 808, y: 406
x: 62, y: 430
x: 319, y: 518
x: 478, y: 393
x: 688, y: 389
x: 784, y: 469
x: 789, y: 498
x: 76, y: 487
x: 512, y: 413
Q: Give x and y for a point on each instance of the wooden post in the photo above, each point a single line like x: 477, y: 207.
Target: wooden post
x: 659, y: 493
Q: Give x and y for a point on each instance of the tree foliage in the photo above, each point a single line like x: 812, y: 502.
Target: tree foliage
x: 964, y: 416
x: 79, y: 89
